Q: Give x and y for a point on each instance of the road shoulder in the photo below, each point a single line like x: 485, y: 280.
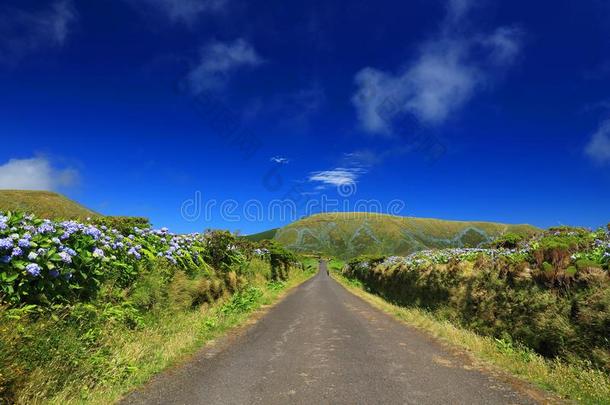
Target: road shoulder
x: 213, y: 347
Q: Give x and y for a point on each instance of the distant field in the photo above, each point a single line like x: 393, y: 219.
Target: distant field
x: 44, y: 204
x: 351, y: 234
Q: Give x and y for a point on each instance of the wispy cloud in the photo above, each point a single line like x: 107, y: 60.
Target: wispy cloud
x: 35, y: 174
x: 292, y: 111
x: 218, y: 60
x: 24, y: 32
x: 362, y: 158
x: 181, y: 11
x: 598, y: 147
x: 448, y: 70
x: 337, y: 177
x: 280, y: 160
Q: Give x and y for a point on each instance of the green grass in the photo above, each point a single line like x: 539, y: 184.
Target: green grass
x: 576, y: 382
x: 44, y: 204
x: 266, y: 235
x: 351, y: 234
x: 128, y: 358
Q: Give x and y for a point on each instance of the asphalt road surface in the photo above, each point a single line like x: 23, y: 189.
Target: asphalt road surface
x: 324, y: 345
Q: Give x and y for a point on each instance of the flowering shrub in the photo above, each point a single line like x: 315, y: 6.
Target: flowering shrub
x: 42, y: 261
x: 550, y: 292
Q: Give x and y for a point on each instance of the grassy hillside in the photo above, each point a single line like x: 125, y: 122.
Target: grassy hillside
x: 352, y: 234
x: 44, y: 204
x: 257, y: 237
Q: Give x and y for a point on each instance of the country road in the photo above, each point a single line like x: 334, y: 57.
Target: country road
x: 323, y: 345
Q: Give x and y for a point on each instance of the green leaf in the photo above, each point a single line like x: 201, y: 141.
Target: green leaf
x: 19, y: 264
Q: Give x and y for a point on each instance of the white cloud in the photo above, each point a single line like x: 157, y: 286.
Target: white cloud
x: 598, y: 147
x: 503, y: 44
x: 218, y: 60
x: 446, y: 73
x: 182, y: 11
x: 280, y: 160
x: 362, y: 158
x: 337, y: 177
x: 35, y: 174
x: 23, y: 32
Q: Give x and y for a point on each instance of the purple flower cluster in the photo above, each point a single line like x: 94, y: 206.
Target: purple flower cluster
x: 33, y: 269
x: 44, y: 247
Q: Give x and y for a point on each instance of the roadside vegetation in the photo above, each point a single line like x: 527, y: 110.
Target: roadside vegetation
x: 539, y: 306
x: 89, y: 310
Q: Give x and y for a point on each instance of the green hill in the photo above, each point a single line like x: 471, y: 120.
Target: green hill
x: 351, y: 234
x: 257, y: 237
x: 44, y: 204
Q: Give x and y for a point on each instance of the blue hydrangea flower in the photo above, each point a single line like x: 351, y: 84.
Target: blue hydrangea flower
x: 17, y: 252
x: 93, y: 232
x: 6, y: 243
x: 134, y: 252
x: 23, y: 243
x: 5, y: 259
x: 46, y: 227
x: 97, y: 252
x: 54, y: 273
x: 65, y: 257
x: 33, y: 269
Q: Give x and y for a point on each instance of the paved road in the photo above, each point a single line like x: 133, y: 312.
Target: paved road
x: 323, y: 345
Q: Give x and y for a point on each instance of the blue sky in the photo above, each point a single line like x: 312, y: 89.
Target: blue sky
x: 462, y: 109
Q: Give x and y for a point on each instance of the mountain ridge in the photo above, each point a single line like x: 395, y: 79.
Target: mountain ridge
x: 350, y: 234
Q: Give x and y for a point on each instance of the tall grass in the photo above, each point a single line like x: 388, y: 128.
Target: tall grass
x: 95, y: 352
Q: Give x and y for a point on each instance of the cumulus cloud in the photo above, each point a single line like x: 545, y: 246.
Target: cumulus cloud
x: 598, y: 147
x: 24, y: 32
x: 181, y: 11
x: 339, y: 176
x: 35, y: 174
x: 218, y: 60
x: 447, y: 71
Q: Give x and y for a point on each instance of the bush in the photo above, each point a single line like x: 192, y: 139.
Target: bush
x: 551, y: 295
x: 507, y: 241
x: 124, y: 225
x: 60, y: 331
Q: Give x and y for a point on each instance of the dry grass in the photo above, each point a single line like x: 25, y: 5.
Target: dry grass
x: 43, y: 204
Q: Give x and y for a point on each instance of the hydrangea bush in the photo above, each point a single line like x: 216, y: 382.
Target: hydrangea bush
x: 43, y: 261
x: 577, y: 245
x: 550, y: 292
